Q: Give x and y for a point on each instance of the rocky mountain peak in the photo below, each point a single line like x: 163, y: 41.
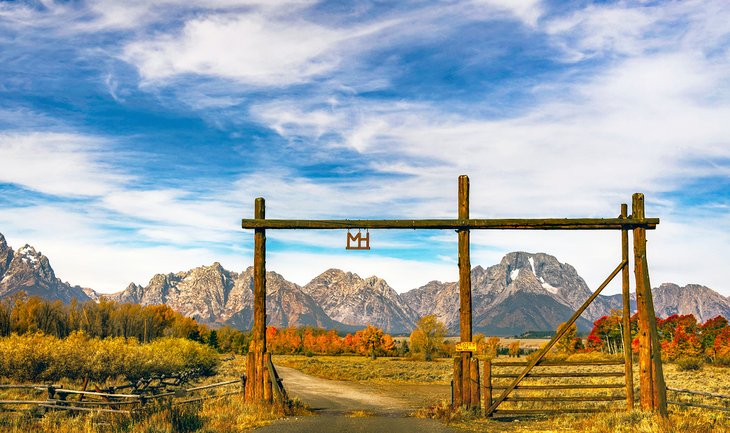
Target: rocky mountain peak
x: 30, y: 260
x: 701, y: 301
x: 339, y: 277
x: 379, y: 286
x: 30, y: 272
x: 134, y: 294
x: 349, y: 299
x: 558, y: 279
x: 524, y: 291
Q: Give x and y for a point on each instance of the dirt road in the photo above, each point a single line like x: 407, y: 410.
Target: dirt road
x: 387, y: 406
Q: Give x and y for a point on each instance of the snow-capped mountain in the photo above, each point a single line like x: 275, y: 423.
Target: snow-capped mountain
x: 29, y: 271
x: 524, y: 292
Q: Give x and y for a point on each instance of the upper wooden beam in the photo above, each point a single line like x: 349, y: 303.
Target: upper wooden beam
x: 456, y: 224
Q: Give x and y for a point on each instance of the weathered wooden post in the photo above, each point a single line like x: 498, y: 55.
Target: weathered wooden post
x: 653, y: 389
x: 464, y: 288
x: 628, y: 361
x: 258, y: 344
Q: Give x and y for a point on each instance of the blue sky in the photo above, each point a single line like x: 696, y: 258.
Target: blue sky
x: 135, y: 135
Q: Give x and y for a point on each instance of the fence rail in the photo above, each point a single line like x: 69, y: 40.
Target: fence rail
x: 725, y: 399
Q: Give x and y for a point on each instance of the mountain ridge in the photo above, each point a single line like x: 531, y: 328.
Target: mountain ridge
x: 524, y: 292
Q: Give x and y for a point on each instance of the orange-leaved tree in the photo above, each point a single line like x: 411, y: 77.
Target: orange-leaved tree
x: 372, y: 341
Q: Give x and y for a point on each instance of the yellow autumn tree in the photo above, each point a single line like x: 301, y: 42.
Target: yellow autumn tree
x: 427, y: 336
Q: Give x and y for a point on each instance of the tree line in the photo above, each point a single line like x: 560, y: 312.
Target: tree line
x: 371, y: 341
x: 38, y: 357
x: 680, y: 337
x: 28, y: 315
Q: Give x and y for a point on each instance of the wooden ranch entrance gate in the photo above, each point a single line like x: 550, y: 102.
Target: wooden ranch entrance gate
x: 466, y: 370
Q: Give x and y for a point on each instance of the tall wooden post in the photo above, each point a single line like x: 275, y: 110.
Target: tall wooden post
x: 464, y: 288
x: 653, y: 389
x: 258, y: 345
x: 628, y: 362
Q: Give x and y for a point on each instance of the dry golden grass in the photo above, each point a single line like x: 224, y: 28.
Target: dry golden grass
x: 525, y: 343
x: 363, y: 369
x: 679, y: 421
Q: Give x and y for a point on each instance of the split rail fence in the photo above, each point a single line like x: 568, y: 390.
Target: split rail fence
x: 701, y: 399
x: 59, y: 398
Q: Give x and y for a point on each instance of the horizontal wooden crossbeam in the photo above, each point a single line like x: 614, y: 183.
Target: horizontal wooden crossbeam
x: 456, y: 224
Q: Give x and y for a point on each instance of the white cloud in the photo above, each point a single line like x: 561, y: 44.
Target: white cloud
x: 632, y: 29
x: 62, y: 164
x: 597, y: 30
x: 174, y: 207
x: 110, y: 15
x: 281, y: 117
x: 527, y: 11
x: 250, y: 48
x: 692, y: 251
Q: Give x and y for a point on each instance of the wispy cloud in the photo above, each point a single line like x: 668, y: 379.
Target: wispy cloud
x: 265, y: 52
x: 57, y: 163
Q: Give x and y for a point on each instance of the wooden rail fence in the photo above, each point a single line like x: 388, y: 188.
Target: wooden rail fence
x: 110, y: 402
x: 721, y: 398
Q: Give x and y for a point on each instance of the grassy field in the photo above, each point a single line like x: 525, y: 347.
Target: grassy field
x: 685, y: 421
x: 226, y: 414
x: 362, y: 369
x: 525, y: 343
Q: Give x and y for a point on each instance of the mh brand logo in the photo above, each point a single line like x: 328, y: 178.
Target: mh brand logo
x: 358, y: 241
